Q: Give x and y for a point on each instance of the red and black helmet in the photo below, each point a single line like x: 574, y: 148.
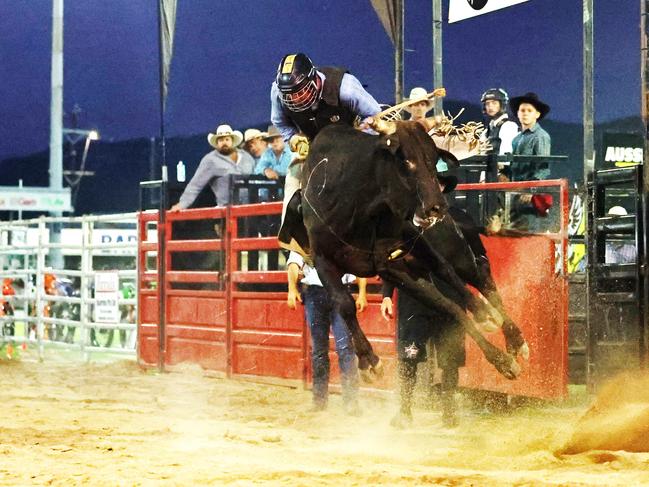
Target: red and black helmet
x: 298, y: 82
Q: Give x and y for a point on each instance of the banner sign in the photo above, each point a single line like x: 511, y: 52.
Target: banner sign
x: 622, y: 150
x: 465, y: 9
x: 34, y: 199
x: 106, y: 296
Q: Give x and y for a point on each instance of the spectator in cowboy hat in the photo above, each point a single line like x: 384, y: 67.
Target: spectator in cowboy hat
x: 532, y: 140
x: 419, y: 110
x: 214, y: 168
x: 254, y: 143
x: 275, y: 160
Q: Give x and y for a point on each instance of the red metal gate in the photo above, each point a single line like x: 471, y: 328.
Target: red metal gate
x: 242, y: 331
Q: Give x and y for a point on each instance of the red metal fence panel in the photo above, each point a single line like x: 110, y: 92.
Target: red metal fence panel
x: 241, y: 330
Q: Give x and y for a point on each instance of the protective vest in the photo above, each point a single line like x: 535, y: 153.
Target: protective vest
x: 493, y: 132
x: 329, y: 109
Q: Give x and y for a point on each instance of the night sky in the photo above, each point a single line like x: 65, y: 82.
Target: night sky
x: 226, y: 54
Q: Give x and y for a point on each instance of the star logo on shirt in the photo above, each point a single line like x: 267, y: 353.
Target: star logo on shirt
x: 411, y: 350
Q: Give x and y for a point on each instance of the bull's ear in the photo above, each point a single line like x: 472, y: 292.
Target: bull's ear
x: 448, y: 158
x: 390, y: 143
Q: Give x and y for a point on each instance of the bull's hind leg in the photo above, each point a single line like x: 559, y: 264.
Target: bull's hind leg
x: 426, y: 292
x: 369, y: 363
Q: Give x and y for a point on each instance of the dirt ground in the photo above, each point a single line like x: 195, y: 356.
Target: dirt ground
x: 115, y: 424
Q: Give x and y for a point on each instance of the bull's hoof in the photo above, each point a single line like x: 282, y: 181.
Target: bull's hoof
x: 524, y: 351
x: 371, y: 373
x: 401, y: 420
x: 508, y: 367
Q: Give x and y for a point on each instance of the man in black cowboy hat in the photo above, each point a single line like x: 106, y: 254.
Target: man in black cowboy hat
x: 532, y: 140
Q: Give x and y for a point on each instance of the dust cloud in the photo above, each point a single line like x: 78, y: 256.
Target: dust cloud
x: 618, y: 419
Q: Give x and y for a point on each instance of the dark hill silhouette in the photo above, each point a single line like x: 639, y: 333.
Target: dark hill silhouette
x: 120, y: 166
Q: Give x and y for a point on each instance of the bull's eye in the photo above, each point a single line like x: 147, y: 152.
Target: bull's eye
x: 410, y: 165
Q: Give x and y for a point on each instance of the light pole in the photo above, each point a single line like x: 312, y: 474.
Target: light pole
x: 56, y: 126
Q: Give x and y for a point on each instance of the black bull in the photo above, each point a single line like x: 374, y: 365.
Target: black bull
x: 360, y: 194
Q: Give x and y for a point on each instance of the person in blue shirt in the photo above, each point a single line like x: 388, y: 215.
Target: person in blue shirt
x: 275, y: 160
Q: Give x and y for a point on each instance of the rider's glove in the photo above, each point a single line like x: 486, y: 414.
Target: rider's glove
x: 300, y: 145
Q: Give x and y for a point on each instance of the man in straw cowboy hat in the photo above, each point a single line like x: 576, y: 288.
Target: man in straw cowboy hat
x: 226, y: 159
x: 419, y: 109
x: 254, y: 143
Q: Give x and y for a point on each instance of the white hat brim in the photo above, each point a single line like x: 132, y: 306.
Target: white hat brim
x: 237, y: 138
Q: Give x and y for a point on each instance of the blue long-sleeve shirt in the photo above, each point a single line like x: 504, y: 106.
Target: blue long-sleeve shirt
x: 352, y: 96
x: 531, y: 142
x: 269, y: 160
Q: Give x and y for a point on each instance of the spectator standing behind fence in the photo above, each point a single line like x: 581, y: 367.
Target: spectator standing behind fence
x: 254, y: 143
x: 216, y: 166
x: 532, y: 140
x: 321, y: 317
x: 500, y: 131
x: 419, y: 110
x: 275, y: 160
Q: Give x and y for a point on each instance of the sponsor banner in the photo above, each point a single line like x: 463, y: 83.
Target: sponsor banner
x: 622, y: 150
x: 13, y: 198
x: 465, y: 9
x: 106, y: 296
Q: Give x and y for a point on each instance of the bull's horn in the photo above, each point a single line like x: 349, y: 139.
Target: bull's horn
x: 382, y: 126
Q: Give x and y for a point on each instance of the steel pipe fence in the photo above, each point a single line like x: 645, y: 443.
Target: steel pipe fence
x: 48, y: 308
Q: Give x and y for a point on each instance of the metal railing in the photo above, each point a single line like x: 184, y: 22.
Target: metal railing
x: 66, y: 319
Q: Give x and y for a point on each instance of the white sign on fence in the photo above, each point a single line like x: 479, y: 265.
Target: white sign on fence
x: 465, y: 9
x: 106, y: 296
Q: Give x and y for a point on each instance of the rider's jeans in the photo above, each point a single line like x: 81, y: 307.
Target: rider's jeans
x: 321, y: 316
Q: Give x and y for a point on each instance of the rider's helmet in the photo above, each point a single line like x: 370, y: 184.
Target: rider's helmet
x: 298, y: 82
x: 497, y: 94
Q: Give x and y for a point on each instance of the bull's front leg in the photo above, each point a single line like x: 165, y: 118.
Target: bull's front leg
x: 442, y: 269
x: 369, y: 363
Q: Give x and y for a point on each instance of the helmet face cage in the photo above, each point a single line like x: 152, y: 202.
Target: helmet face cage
x: 302, y: 99
x: 497, y: 94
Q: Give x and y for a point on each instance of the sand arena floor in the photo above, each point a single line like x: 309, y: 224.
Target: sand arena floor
x: 115, y: 424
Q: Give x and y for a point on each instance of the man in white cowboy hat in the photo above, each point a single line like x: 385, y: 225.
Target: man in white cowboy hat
x: 275, y: 160
x: 214, y: 168
x: 419, y: 110
x: 254, y: 143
